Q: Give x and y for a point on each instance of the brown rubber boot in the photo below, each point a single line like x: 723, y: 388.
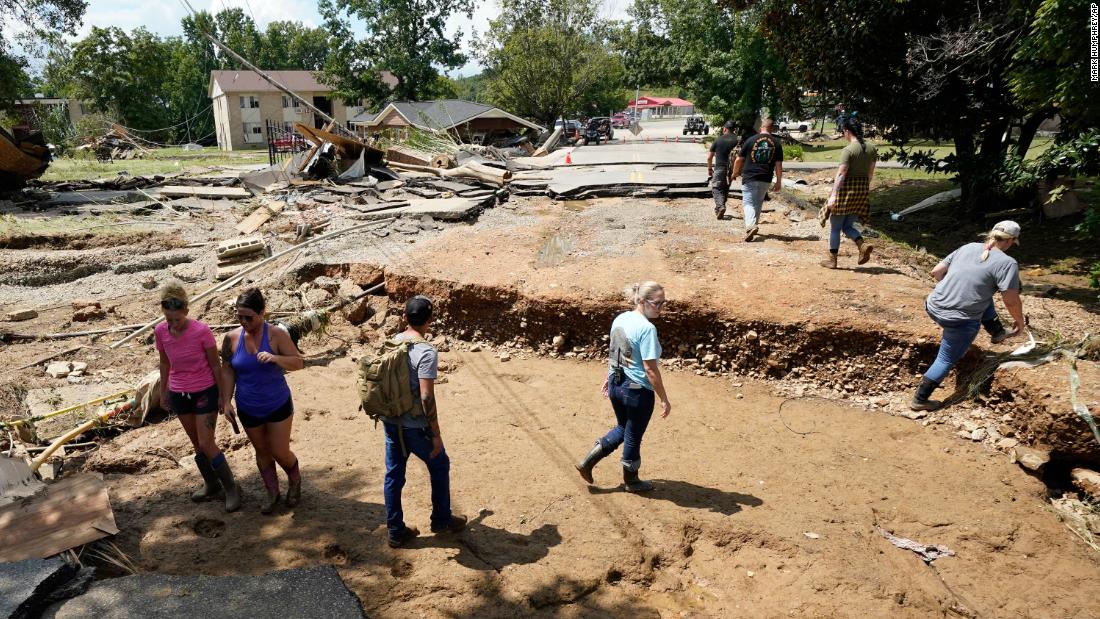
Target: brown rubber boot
x: 593, y: 457
x: 830, y: 262
x: 864, y: 251
x: 212, y: 488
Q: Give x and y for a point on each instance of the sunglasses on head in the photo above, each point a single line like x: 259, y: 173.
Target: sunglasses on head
x: 173, y: 304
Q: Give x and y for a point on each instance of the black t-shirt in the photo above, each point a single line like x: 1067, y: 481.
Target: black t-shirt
x: 761, y: 151
x: 722, y: 147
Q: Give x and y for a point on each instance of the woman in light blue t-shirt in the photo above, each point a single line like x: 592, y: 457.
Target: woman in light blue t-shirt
x: 632, y: 384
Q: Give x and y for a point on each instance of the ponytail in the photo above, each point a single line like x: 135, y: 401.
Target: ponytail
x: 638, y: 292
x: 856, y: 127
x: 991, y: 240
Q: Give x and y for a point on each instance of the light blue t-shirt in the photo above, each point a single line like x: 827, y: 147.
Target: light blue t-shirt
x: 633, y: 340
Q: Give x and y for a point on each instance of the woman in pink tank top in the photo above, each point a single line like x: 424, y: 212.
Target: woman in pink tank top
x: 190, y: 373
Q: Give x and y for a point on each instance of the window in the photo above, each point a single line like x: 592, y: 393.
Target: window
x: 253, y: 132
x: 289, y: 102
x: 249, y: 102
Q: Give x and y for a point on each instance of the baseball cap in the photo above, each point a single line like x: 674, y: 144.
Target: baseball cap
x: 418, y: 309
x: 1010, y: 228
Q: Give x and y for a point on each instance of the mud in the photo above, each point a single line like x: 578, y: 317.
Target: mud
x: 87, y: 240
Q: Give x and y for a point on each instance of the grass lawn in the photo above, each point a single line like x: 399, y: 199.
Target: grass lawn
x: 159, y: 161
x: 830, y: 150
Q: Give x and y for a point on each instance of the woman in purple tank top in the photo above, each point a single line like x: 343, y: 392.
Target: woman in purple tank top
x: 255, y: 359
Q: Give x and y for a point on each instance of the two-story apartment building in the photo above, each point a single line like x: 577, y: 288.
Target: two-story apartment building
x: 244, y: 102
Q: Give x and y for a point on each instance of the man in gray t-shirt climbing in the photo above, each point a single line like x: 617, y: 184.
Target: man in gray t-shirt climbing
x: 418, y: 434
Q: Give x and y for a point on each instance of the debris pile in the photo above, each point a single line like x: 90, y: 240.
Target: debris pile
x: 116, y: 144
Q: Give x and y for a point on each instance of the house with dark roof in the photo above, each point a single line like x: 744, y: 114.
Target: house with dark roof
x: 244, y: 103
x: 467, y: 120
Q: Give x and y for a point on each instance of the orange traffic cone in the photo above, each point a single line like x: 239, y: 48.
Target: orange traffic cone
x: 569, y: 158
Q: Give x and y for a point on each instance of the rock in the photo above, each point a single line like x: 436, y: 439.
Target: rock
x: 1030, y: 458
x: 349, y: 290
x: 475, y: 347
x: 149, y: 283
x: 317, y: 298
x: 978, y: 435
x: 392, y: 325
x: 1087, y: 480
x: 912, y: 414
x: 505, y: 356
x: 20, y: 315
x: 1007, y: 443
x: 82, y: 303
x: 559, y: 343
x: 90, y: 312
x: 59, y: 369
x: 969, y: 426
x: 752, y: 336
x: 357, y: 312
x: 78, y: 368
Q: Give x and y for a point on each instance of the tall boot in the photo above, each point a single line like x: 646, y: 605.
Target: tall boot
x: 294, y: 485
x: 231, y: 487
x: 633, y: 484
x: 996, y: 330
x: 830, y: 262
x: 864, y: 250
x: 586, y: 465
x: 920, y: 400
x: 211, y: 486
x: 271, y: 483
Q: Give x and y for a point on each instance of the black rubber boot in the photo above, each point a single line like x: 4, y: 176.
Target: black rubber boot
x: 212, y: 488
x: 586, y: 465
x: 633, y: 484
x: 996, y: 330
x: 920, y: 400
x: 231, y: 487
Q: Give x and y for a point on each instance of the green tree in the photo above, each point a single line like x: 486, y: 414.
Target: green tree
x: 406, y: 38
x: 545, y: 59
x: 717, y: 52
x: 965, y: 71
x: 291, y: 45
x: 40, y: 21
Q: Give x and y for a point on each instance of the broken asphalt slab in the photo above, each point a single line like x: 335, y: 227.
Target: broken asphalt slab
x: 27, y: 587
x: 302, y: 593
x: 443, y: 209
x: 611, y: 181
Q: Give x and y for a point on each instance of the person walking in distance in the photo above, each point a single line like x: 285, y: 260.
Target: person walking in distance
x: 850, y: 199
x: 418, y: 434
x: 190, y: 374
x: 718, y: 167
x: 632, y: 384
x: 962, y: 302
x: 256, y: 358
x: 760, y: 159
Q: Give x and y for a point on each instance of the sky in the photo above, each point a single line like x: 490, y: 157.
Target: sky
x: 163, y: 16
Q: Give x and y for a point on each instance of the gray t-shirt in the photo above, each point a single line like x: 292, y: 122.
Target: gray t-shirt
x: 968, y: 287
x: 423, y: 363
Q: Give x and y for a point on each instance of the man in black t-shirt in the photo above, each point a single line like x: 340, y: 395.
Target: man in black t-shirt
x: 719, y: 171
x: 760, y: 158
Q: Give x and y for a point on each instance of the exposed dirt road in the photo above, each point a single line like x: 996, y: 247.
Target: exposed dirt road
x: 740, y: 486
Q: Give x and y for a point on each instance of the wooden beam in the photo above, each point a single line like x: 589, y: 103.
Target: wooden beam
x: 180, y: 191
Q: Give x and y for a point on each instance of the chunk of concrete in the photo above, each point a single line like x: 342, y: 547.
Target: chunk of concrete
x: 20, y: 315
x: 306, y: 593
x: 59, y: 369
x: 1087, y: 480
x: 1030, y: 458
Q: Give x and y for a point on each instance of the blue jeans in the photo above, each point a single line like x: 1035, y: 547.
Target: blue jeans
x: 842, y: 223
x: 958, y: 335
x: 418, y: 441
x: 633, y: 409
x: 752, y: 199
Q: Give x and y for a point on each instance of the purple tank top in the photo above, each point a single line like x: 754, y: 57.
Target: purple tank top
x: 261, y: 387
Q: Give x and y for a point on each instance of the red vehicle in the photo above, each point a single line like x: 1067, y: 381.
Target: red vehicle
x: 620, y: 121
x: 290, y: 144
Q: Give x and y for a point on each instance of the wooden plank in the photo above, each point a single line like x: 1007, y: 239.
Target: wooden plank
x: 180, y: 191
x: 70, y: 513
x: 260, y: 216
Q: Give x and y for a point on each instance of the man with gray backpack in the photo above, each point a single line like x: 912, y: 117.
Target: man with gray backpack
x: 397, y: 386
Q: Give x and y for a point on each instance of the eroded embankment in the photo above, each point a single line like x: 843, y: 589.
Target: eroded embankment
x: 852, y: 362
